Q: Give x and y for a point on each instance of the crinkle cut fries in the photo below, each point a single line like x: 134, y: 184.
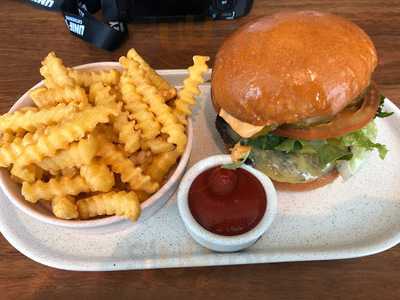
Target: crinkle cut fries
x: 97, y: 143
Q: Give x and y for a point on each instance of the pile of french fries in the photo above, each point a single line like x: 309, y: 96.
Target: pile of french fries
x: 98, y: 142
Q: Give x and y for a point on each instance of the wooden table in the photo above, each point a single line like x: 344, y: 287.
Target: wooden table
x: 27, y: 35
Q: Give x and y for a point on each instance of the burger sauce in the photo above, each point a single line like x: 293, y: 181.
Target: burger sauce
x: 227, y: 202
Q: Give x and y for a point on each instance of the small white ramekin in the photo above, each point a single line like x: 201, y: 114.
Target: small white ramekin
x: 214, y: 241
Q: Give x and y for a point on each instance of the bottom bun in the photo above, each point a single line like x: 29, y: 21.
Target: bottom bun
x: 307, y: 186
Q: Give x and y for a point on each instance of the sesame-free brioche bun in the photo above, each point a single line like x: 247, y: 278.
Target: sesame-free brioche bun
x: 292, y: 66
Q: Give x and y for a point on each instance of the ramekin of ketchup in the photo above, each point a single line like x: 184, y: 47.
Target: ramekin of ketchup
x: 226, y: 210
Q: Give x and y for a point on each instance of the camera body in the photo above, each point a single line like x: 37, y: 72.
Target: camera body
x: 110, y: 33
x: 142, y: 10
x: 229, y: 9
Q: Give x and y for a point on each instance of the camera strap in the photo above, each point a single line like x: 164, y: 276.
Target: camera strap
x: 79, y: 19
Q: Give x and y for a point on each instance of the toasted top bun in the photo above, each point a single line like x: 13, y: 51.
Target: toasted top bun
x: 292, y: 66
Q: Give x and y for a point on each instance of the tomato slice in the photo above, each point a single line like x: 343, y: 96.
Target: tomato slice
x: 343, y: 123
x: 307, y: 186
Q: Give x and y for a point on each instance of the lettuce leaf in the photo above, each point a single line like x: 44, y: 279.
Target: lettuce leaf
x: 264, y: 142
x: 289, y: 146
x: 361, y: 143
x: 347, y: 168
x: 365, y: 139
x: 330, y: 153
x: 350, y: 147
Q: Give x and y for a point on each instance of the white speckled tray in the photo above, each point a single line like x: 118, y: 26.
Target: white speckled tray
x: 343, y: 220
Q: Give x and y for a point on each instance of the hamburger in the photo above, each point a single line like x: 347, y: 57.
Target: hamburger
x: 294, y: 97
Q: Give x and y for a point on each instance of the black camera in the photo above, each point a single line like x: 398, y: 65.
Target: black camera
x: 229, y: 9
x: 139, y: 10
x: 78, y: 15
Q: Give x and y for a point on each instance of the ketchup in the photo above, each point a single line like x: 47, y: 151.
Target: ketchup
x: 227, y: 202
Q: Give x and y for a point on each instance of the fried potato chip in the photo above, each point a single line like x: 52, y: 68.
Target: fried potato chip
x: 101, y: 95
x: 142, y: 158
x: 59, y: 136
x: 163, y: 113
x: 125, y: 204
x: 9, y: 152
x: 157, y: 145
x: 186, y: 96
x: 76, y: 155
x: 44, y: 97
x: 68, y: 172
x: 29, y: 173
x: 30, y: 120
x: 28, y: 108
x: 122, y: 165
x: 87, y: 78
x: 127, y: 134
x: 55, y: 73
x: 98, y: 176
x: 140, y: 111
x: 161, y: 165
x: 59, y: 186
x: 32, y: 137
x: 64, y: 207
x: 7, y: 137
x: 167, y: 91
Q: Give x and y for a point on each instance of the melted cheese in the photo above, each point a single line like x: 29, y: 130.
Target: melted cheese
x: 243, y: 129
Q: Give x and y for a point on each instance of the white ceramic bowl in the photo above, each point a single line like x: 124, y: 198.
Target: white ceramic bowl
x: 214, y: 241
x: 42, y: 213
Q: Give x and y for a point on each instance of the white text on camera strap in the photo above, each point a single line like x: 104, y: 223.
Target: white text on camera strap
x: 75, y: 25
x: 46, y: 3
